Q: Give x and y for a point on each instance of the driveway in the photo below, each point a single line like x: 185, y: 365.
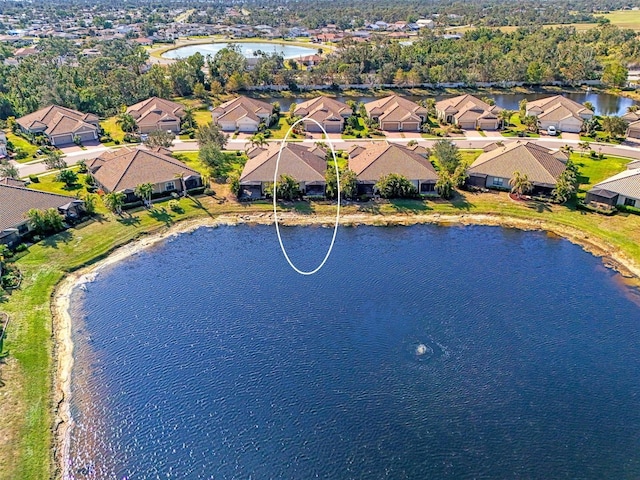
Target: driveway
x: 571, y: 136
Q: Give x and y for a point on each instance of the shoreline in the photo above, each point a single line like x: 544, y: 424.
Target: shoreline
x: 60, y: 301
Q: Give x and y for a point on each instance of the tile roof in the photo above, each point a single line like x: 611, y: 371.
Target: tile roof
x: 625, y: 183
x: 468, y: 107
x: 251, y: 105
x: 395, y: 108
x: 634, y: 164
x: 155, y: 110
x: 15, y: 202
x: 548, y: 103
x: 541, y: 165
x: 302, y: 163
x: 323, y: 109
x: 382, y: 158
x: 58, y: 120
x: 126, y: 168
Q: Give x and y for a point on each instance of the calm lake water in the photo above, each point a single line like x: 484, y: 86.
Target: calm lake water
x: 246, y: 48
x: 208, y: 357
x: 604, y: 103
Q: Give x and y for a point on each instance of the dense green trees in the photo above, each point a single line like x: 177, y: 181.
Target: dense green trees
x: 348, y: 183
x: 44, y: 222
x: 395, y: 186
x: 520, y: 184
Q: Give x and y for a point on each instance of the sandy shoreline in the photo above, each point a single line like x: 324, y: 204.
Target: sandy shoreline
x: 62, y: 322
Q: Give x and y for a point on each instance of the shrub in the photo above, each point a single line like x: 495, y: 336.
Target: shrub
x: 117, y: 142
x: 628, y: 209
x: 209, y: 191
x: 34, y: 179
x: 174, y: 206
x: 21, y: 248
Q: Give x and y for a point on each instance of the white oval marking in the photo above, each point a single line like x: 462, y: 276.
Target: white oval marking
x: 275, y: 196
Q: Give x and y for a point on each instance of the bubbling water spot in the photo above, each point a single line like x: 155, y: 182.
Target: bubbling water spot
x: 421, y: 349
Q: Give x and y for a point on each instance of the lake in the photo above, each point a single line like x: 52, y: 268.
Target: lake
x: 416, y: 352
x: 604, y: 103
x: 246, y: 48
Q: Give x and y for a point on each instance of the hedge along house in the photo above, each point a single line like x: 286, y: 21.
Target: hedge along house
x: 559, y: 112
x: 375, y: 160
x: 242, y: 114
x: 329, y: 113
x: 469, y: 112
x: 307, y: 165
x: 60, y: 125
x: 15, y: 203
x: 154, y: 114
x: 396, y: 114
x: 124, y: 169
x: 621, y: 189
x: 496, y: 166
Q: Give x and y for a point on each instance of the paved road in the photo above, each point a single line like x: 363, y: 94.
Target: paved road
x: 37, y: 168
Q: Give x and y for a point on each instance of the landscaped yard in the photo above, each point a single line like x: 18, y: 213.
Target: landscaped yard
x: 192, y: 160
x: 23, y: 144
x: 112, y: 128
x: 48, y: 183
x: 516, y: 128
x: 280, y: 130
x: 595, y: 170
x: 360, y: 131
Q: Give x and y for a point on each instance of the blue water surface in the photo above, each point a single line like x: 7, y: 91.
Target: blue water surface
x: 208, y: 357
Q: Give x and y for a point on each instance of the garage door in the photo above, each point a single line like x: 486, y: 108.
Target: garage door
x: 246, y: 128
x: 390, y: 126
x: 62, y: 139
x: 333, y: 127
x: 312, y: 127
x: 410, y: 126
x: 467, y: 125
x: 488, y: 125
x: 87, y: 136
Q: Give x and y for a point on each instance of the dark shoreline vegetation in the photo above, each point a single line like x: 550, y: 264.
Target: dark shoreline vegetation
x: 60, y: 75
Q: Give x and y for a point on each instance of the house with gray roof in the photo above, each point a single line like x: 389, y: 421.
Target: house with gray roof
x: 124, y: 169
x: 375, y: 160
x: 154, y: 114
x: 16, y: 201
x: 396, y: 114
x: 621, y: 189
x: 328, y: 112
x: 305, y: 164
x: 61, y: 125
x: 496, y: 166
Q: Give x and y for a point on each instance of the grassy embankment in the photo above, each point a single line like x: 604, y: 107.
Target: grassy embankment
x: 26, y: 408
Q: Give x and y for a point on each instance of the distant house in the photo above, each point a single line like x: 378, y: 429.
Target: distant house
x: 375, y: 160
x: 309, y: 60
x: 496, y: 166
x: 633, y: 128
x: 16, y: 201
x: 559, y: 112
x: 61, y: 125
x: 3, y: 144
x: 328, y: 112
x: 242, y: 114
x: 306, y: 165
x: 124, y: 169
x: 145, y: 42
x: 469, y: 112
x: 397, y: 114
x: 621, y: 189
x: 155, y: 114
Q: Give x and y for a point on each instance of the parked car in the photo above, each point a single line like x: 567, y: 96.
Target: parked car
x: 551, y: 130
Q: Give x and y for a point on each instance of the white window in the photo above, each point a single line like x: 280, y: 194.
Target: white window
x: 498, y: 182
x: 169, y: 186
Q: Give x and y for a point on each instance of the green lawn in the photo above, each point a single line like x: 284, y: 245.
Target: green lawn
x: 595, y: 170
x: 202, y: 116
x: 361, y: 131
x: 624, y: 18
x: 112, y: 128
x: 280, y: 130
x: 192, y: 160
x: 516, y: 126
x: 47, y: 183
x: 23, y: 144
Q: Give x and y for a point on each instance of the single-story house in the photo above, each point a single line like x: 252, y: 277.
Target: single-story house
x: 396, y: 114
x: 242, y: 114
x: 633, y: 130
x: 634, y: 164
x: 328, y: 112
x: 375, y: 160
x: 155, y: 114
x: 124, y: 169
x: 496, y: 166
x: 3, y: 144
x: 559, y: 112
x: 469, y: 112
x: 16, y: 201
x: 631, y: 116
x: 61, y: 125
x: 621, y: 189
x: 306, y: 164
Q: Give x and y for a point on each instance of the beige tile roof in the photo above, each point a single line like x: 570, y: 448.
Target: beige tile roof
x: 300, y: 162
x: 127, y: 168
x: 549, y: 103
x: 625, y: 183
x: 634, y: 164
x: 631, y: 117
x: 382, y: 158
x: 322, y: 109
x: 58, y: 120
x: 248, y: 104
x: 155, y: 110
x: 467, y: 107
x: 538, y: 163
x: 15, y: 202
x: 395, y: 108
x: 236, y: 113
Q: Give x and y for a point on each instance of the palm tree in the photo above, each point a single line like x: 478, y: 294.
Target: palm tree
x: 182, y: 184
x: 505, y: 116
x: 126, y: 122
x: 189, y: 120
x: 584, y: 147
x: 114, y: 201
x: 144, y: 191
x: 520, y: 184
x: 8, y: 170
x: 257, y: 140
